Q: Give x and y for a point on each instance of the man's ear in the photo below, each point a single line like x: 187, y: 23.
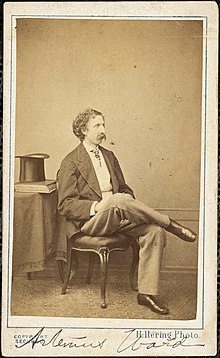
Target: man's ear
x: 84, y: 131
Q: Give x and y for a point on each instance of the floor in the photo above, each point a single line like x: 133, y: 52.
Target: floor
x: 41, y: 296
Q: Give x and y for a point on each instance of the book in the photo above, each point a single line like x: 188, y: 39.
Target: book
x: 45, y: 186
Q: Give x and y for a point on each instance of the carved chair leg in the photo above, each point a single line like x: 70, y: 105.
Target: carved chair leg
x: 104, y: 256
x: 68, y: 268
x: 133, y: 280
x: 62, y: 266
x: 91, y: 266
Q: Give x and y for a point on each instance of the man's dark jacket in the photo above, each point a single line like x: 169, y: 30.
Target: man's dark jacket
x: 78, y: 186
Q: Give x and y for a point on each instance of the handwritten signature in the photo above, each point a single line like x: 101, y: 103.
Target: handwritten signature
x: 56, y: 341
x: 130, y: 342
x: 135, y: 344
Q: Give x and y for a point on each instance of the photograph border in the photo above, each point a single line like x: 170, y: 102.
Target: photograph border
x: 9, y: 133
x: 11, y: 160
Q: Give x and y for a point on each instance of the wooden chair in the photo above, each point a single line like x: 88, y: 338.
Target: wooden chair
x: 102, y: 246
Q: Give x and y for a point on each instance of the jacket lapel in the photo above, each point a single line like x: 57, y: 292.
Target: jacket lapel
x: 86, y: 169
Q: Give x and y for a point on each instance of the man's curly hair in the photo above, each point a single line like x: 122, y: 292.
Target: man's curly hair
x: 80, y: 122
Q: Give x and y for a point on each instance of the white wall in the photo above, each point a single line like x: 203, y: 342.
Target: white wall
x: 145, y: 76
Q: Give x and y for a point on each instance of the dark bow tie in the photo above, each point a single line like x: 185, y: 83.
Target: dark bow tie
x: 97, y: 154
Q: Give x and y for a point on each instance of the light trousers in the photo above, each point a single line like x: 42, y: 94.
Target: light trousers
x: 125, y: 215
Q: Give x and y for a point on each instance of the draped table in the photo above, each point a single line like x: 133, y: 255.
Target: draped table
x: 38, y: 232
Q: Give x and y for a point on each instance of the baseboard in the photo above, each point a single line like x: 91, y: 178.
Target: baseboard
x: 179, y: 269
x: 53, y: 272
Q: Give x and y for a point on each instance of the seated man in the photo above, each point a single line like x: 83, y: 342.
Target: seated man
x: 95, y: 199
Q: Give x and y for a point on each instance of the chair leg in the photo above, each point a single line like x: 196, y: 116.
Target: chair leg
x: 61, y: 264
x: 74, y: 264
x: 104, y: 256
x: 68, y: 268
x: 133, y: 281
x: 91, y: 266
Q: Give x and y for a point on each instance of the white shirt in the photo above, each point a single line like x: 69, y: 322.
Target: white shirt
x: 102, y: 174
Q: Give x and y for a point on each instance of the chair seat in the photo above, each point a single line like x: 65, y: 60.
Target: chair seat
x: 95, y: 243
x: 103, y: 247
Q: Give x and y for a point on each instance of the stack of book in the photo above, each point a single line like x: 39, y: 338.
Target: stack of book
x: 45, y: 186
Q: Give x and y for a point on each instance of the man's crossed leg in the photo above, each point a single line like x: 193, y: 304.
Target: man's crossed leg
x: 128, y: 216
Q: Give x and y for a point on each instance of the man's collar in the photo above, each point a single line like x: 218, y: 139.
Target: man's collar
x: 88, y: 147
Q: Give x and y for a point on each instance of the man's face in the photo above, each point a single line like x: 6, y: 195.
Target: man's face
x: 95, y: 132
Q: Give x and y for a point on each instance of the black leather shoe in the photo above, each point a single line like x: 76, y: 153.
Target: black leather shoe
x: 149, y: 301
x: 182, y: 232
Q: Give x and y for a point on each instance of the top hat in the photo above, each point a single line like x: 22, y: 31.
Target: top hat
x: 32, y: 167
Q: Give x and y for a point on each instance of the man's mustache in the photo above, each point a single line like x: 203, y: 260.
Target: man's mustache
x: 102, y: 136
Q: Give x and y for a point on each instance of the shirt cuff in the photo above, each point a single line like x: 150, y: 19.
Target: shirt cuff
x: 92, y: 209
